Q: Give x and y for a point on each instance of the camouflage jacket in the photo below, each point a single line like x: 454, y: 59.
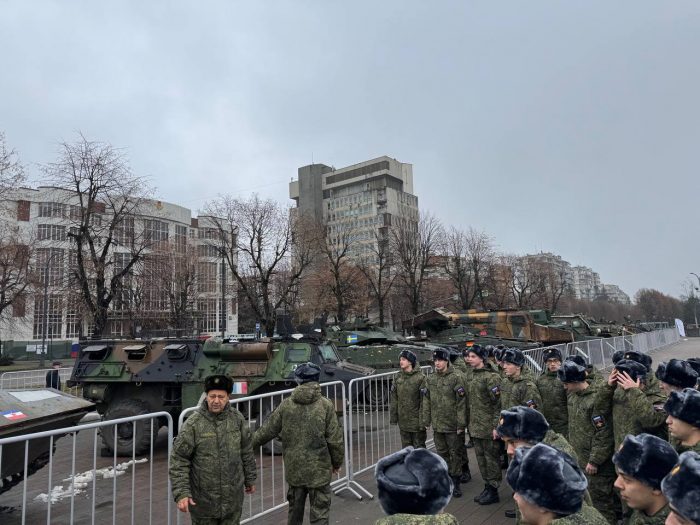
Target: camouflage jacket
x: 556, y: 440
x: 212, y: 459
x: 595, y: 377
x: 678, y: 447
x: 405, y: 400
x: 639, y: 518
x: 586, y: 516
x: 416, y: 519
x: 520, y: 390
x: 484, y: 398
x: 554, y: 401
x: 633, y: 411
x: 444, y: 403
x: 463, y: 367
x: 590, y: 432
x: 311, y: 436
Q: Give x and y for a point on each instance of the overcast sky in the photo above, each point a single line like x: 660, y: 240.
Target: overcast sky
x: 571, y: 127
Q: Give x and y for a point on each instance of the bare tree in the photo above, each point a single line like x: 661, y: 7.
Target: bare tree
x: 101, y: 198
x: 11, y: 170
x: 526, y: 282
x: 15, y: 273
x: 376, y: 266
x: 414, y: 246
x: 265, y: 247
x: 467, y: 255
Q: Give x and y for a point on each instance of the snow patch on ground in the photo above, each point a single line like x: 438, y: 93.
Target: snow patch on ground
x: 79, y: 483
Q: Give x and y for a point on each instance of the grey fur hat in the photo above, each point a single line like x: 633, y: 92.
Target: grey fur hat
x: 684, y: 405
x: 571, y: 372
x: 307, y: 372
x: 514, y: 356
x: 218, y: 382
x: 634, y: 369
x: 413, y: 481
x: 641, y: 358
x: 478, y: 350
x: 441, y: 353
x: 682, y: 487
x: 578, y: 359
x: 551, y: 353
x: 645, y: 458
x: 520, y: 422
x: 677, y: 373
x: 547, y: 478
x: 407, y: 354
x: 618, y: 355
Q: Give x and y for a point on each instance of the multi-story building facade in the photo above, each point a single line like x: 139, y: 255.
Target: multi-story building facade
x: 613, y: 293
x: 44, y: 217
x: 585, y: 283
x: 358, y: 202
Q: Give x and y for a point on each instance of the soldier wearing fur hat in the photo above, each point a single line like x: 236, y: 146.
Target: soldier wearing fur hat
x: 694, y: 362
x: 460, y: 368
x: 484, y: 396
x: 406, y: 399
x: 634, y: 408
x: 592, y: 374
x: 681, y: 487
x: 676, y: 375
x: 683, y: 409
x: 549, y: 488
x: 590, y: 434
x: 313, y: 443
x: 444, y: 408
x: 414, y: 487
x: 553, y: 393
x: 642, y: 462
x: 212, y: 462
x: 517, y: 388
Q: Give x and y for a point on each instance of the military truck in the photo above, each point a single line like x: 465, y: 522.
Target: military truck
x: 131, y: 377
x: 583, y: 328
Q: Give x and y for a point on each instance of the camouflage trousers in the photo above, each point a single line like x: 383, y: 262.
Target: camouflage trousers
x: 319, y: 498
x: 413, y: 439
x: 602, y: 495
x: 449, y: 446
x: 488, y: 453
x: 229, y: 520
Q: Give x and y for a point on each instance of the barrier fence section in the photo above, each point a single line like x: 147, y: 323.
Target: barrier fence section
x: 29, y: 379
x: 599, y: 352
x: 271, y: 491
x: 65, y: 464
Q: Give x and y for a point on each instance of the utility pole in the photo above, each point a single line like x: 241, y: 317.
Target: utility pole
x: 223, y: 294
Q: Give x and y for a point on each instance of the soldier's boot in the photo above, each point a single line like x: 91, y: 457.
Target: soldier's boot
x: 456, y: 491
x: 490, y: 497
x: 466, y: 476
x: 479, y: 496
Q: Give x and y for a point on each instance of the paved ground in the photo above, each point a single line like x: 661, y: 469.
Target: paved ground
x: 148, y: 482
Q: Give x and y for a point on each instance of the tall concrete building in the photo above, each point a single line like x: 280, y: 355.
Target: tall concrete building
x: 358, y: 201
x: 586, y: 283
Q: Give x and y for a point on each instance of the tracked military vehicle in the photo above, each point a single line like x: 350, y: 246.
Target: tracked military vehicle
x: 128, y: 378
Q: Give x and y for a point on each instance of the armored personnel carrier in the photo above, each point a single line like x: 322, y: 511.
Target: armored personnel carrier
x: 127, y: 378
x: 29, y: 411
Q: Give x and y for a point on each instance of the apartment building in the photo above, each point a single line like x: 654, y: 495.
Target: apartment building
x: 43, y: 218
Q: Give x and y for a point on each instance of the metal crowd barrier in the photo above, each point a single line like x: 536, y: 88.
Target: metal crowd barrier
x: 271, y: 492
x: 29, y: 379
x: 74, y: 469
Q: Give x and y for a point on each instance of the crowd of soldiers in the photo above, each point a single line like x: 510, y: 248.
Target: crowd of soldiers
x: 624, y: 432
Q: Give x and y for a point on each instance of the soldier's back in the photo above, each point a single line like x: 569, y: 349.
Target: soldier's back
x: 586, y: 516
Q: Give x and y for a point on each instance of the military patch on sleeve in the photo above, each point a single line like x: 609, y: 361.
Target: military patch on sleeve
x: 598, y: 421
x: 496, y: 391
x: 425, y: 392
x: 459, y: 390
x: 531, y: 403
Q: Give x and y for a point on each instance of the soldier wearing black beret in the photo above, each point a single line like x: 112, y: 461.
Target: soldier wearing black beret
x: 683, y: 409
x: 682, y: 490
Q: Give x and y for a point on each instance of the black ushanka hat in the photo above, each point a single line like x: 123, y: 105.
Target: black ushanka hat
x: 634, y: 369
x: 514, y: 356
x: 525, y: 423
x: 639, y: 357
x: 645, y: 458
x: 412, y: 358
x: 551, y: 353
x: 684, y: 405
x: 571, y: 372
x: 677, y: 373
x: 682, y: 487
x: 478, y: 350
x: 218, y: 382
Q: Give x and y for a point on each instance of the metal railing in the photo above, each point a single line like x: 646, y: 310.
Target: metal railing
x: 69, y: 456
x: 30, y: 379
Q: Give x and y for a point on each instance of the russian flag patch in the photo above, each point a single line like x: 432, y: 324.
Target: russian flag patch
x: 13, y: 415
x: 240, y: 387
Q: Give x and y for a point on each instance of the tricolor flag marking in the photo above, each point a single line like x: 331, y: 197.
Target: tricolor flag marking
x: 240, y: 387
x: 13, y: 415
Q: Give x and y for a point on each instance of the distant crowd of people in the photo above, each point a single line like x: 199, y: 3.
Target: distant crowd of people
x: 575, y: 447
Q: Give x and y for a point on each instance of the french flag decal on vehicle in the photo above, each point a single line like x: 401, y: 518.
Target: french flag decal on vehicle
x: 240, y: 387
x: 13, y: 415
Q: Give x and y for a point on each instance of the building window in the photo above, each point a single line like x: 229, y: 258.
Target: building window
x: 117, y: 328
x: 50, y: 265
x: 53, y: 319
x: 73, y: 323
x: 209, y: 321
x: 180, y: 238
x: 154, y: 230
x: 124, y: 232
x: 52, y: 232
x: 206, y: 277
x: 207, y: 250
x: 51, y: 209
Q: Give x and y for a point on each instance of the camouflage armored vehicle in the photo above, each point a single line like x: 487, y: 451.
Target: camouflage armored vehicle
x: 127, y: 378
x: 584, y: 328
x: 29, y: 411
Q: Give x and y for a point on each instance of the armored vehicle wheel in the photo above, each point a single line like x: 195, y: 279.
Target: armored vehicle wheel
x: 132, y: 437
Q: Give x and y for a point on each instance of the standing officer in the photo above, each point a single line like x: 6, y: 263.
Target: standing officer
x: 212, y: 459
x: 553, y: 393
x: 516, y: 388
x: 483, y: 395
x: 590, y: 434
x: 313, y: 445
x: 406, y: 399
x: 444, y: 408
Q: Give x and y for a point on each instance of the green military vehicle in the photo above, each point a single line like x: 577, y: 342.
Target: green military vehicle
x: 131, y: 377
x: 583, y: 328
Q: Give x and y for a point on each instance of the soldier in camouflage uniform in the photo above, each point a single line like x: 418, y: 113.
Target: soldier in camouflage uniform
x: 212, y: 459
x: 634, y: 409
x: 414, y: 487
x: 516, y: 388
x: 590, y: 434
x: 676, y: 375
x: 594, y: 376
x: 683, y: 409
x: 444, y: 408
x: 313, y: 444
x: 483, y: 395
x: 549, y: 488
x: 642, y: 462
x: 553, y: 393
x: 461, y: 368
x: 405, y: 401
